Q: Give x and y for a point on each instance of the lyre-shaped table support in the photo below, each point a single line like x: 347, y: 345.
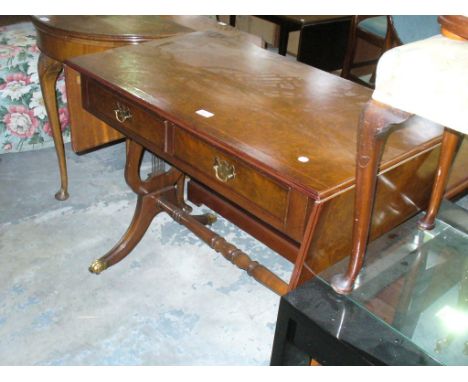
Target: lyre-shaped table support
x: 164, y: 192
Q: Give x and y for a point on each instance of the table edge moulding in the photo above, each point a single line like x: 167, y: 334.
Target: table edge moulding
x: 246, y: 166
x: 62, y: 37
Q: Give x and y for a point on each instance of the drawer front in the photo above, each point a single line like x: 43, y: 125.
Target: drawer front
x: 124, y: 115
x: 246, y: 186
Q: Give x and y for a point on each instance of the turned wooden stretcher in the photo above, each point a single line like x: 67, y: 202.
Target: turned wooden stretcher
x: 266, y: 142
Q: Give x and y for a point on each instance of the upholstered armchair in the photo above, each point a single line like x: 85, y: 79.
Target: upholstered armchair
x: 428, y: 78
x: 23, y: 118
x: 384, y: 32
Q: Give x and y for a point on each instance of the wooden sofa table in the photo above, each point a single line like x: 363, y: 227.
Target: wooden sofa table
x: 267, y: 142
x: 62, y: 37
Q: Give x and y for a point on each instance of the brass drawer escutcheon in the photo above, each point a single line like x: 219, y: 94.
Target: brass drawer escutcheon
x: 122, y: 113
x: 223, y: 170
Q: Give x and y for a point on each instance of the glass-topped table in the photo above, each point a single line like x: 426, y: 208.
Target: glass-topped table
x: 409, y: 306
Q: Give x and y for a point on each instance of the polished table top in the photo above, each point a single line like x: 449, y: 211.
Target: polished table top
x: 62, y: 37
x: 100, y: 27
x: 130, y: 28
x: 268, y: 110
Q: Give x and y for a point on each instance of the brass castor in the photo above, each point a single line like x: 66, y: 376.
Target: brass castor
x: 97, y: 266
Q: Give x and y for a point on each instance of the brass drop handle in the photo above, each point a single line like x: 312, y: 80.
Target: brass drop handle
x: 223, y: 170
x: 122, y: 113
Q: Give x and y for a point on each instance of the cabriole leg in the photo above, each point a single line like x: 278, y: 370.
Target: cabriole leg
x: 49, y: 69
x: 450, y: 144
x: 374, y: 124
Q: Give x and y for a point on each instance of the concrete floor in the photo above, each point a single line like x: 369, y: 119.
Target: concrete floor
x: 173, y: 301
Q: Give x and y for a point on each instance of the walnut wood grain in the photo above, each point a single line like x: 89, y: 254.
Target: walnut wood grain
x: 103, y: 103
x: 146, y: 208
x: 274, y: 101
x: 158, y: 194
x: 254, y: 269
x: 374, y: 126
x: 299, y: 272
x: 87, y: 131
x: 280, y: 243
x: 455, y: 27
x: 450, y: 144
x: 284, y: 209
x: 149, y: 192
x: 267, y: 112
x: 247, y: 184
x: 375, y: 122
x: 400, y: 193
x: 63, y: 37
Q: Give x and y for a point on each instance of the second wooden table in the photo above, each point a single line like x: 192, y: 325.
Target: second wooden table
x: 267, y: 142
x: 60, y: 38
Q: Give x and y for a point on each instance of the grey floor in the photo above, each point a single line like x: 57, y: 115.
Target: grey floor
x: 173, y: 301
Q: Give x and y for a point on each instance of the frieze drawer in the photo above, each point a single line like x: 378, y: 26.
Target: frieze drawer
x: 124, y: 115
x: 244, y: 185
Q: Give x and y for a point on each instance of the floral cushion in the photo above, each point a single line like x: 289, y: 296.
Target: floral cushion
x: 23, y: 118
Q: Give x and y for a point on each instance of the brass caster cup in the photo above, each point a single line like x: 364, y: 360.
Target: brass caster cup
x: 97, y: 266
x: 211, y: 218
